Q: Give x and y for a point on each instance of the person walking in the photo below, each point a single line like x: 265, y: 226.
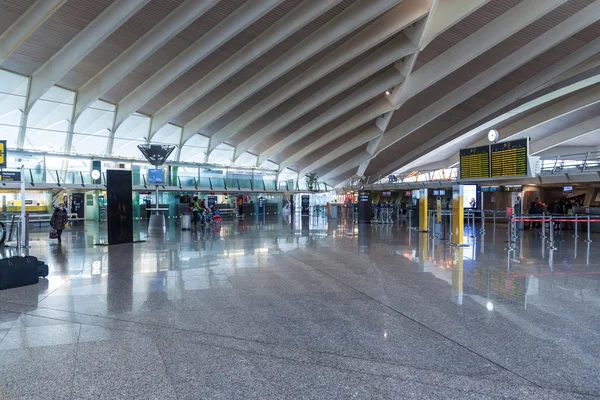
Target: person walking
x: 59, y: 220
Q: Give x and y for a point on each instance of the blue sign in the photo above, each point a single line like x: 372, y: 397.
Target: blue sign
x: 261, y: 206
x: 155, y: 175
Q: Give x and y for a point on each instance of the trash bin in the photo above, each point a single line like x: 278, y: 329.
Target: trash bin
x: 186, y: 222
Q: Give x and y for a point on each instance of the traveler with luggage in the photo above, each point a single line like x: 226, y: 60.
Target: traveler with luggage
x: 58, y: 222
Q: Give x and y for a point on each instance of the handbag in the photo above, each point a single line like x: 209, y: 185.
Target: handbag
x: 53, y: 234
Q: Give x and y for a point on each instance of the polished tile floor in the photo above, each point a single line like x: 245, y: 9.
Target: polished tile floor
x: 304, y: 310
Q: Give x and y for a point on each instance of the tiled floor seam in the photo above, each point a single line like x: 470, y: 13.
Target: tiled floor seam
x: 423, y: 325
x: 68, y: 280
x: 256, y: 342
x: 328, y: 365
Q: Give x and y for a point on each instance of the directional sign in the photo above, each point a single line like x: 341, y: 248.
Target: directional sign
x: 2, y: 153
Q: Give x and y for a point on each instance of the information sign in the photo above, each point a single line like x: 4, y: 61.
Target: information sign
x: 475, y: 163
x: 509, y: 159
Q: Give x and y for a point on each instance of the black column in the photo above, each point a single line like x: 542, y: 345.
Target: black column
x: 364, y: 206
x: 119, y: 206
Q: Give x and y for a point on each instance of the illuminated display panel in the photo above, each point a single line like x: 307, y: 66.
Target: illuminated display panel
x: 509, y: 158
x: 475, y: 163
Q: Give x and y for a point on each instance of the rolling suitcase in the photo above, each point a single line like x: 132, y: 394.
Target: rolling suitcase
x: 42, y: 267
x: 17, y: 272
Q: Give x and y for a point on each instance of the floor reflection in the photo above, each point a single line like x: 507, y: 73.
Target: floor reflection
x: 370, y: 292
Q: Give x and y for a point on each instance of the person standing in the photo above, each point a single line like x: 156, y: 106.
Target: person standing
x: 59, y: 220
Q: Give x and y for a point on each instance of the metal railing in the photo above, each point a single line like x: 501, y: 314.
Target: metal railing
x: 189, y: 181
x: 579, y: 162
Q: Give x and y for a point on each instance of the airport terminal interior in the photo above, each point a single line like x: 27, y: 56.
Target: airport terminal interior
x: 299, y: 199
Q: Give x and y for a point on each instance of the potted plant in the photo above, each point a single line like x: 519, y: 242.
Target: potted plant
x: 311, y: 181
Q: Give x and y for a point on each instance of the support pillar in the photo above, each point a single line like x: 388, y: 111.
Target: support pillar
x: 423, y: 210
x: 458, y: 216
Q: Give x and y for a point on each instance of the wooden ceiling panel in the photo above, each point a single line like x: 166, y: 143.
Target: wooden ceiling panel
x: 211, y: 62
x: 306, y: 118
x: 323, y: 131
x: 11, y: 11
x: 483, y: 62
x: 305, y: 94
x: 121, y: 39
x: 335, y: 163
x: 172, y: 49
x: 325, y: 150
x: 464, y: 28
x: 53, y: 34
x: 279, y: 83
x: 272, y: 55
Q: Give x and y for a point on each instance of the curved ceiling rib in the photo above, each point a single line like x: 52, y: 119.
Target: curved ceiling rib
x: 82, y: 44
x: 343, y: 88
x: 128, y: 60
x: 538, y: 82
x: 376, y: 86
x: 520, y: 57
x: 404, y: 14
x: 290, y: 23
x: 370, y: 113
x: 25, y: 25
x: 358, y: 14
x: 387, y: 55
x: 526, y: 53
x: 230, y: 26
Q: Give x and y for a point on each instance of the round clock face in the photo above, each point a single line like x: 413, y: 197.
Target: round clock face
x: 493, y: 135
x: 95, y: 174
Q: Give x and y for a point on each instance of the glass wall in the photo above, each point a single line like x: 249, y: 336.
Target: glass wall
x: 48, y: 128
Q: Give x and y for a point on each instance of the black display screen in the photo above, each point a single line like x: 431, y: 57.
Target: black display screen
x: 119, y: 206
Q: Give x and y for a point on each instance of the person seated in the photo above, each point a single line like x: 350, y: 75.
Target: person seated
x: 216, y: 214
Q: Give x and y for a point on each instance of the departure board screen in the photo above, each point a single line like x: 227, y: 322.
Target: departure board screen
x: 475, y: 163
x: 509, y: 158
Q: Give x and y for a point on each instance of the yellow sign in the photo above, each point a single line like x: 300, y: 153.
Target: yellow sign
x: 2, y: 153
x: 439, y: 210
x: 423, y: 211
x: 458, y: 215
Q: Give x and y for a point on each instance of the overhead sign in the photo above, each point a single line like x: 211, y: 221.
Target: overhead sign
x: 155, y: 175
x: 475, y: 163
x: 498, y: 160
x: 509, y: 158
x: 2, y: 153
x: 10, y: 176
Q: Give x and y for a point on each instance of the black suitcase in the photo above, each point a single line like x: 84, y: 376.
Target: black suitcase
x: 17, y: 272
x: 42, y: 267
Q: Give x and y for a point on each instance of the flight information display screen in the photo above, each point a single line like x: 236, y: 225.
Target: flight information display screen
x: 475, y: 163
x: 509, y: 158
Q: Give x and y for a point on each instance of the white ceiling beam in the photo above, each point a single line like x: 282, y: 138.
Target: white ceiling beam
x: 506, y: 25
x: 80, y: 46
x: 546, y: 41
x: 563, y: 150
x: 25, y: 25
x: 373, y: 88
x: 233, y: 24
x: 445, y: 14
x: 353, y: 17
x: 531, y: 86
x: 364, y: 137
x: 519, y: 129
x: 392, y: 22
x: 346, y: 166
x: 139, y: 51
x: 592, y: 125
x: 284, y: 27
x: 383, y: 121
x: 368, y: 114
x: 387, y: 55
